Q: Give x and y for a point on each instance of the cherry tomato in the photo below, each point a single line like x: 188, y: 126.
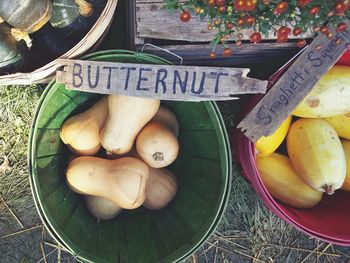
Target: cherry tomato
x: 185, y: 16
x: 220, y: 2
x: 314, y: 10
x: 301, y: 43
x: 341, y: 27
x: 229, y: 25
x: 297, y: 31
x: 212, y: 54
x: 255, y: 37
x: 227, y: 52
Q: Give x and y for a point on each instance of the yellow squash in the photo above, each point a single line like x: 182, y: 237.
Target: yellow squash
x: 330, y: 96
x: 122, y: 181
x: 82, y: 132
x: 341, y: 123
x: 346, y: 147
x: 267, y: 145
x: 284, y: 184
x: 127, y: 116
x: 317, y: 155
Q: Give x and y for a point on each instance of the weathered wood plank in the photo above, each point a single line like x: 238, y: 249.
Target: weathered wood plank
x: 294, y: 85
x: 166, y: 82
x: 263, y: 59
x: 154, y: 22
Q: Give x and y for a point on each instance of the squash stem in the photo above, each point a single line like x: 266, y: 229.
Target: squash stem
x: 158, y: 156
x: 328, y: 189
x: 85, y: 8
x: 21, y: 35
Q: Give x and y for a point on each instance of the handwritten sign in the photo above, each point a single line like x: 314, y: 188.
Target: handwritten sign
x: 158, y: 81
x: 294, y: 85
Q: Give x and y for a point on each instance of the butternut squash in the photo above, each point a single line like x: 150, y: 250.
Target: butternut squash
x: 330, y: 96
x: 81, y: 132
x: 269, y: 144
x: 122, y: 181
x: 161, y: 188
x: 346, y: 147
x: 167, y: 117
x: 157, y: 145
x: 284, y: 184
x: 341, y: 123
x: 317, y: 155
x: 101, y: 208
x: 127, y: 116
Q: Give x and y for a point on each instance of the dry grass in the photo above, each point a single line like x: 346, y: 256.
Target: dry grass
x: 16, y: 108
x: 20, y: 225
x: 249, y: 232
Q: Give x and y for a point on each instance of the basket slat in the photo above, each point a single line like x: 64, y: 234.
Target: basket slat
x: 49, y: 143
x: 54, y: 200
x: 140, y: 239
x: 89, y: 230
x: 191, y: 144
x: 191, y: 208
x: 162, y: 222
x: 114, y: 242
x: 49, y: 172
x: 193, y: 177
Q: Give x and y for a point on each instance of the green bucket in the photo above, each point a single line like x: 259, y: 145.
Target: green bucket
x: 203, y: 169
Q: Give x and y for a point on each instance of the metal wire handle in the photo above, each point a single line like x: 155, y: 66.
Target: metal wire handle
x: 163, y: 49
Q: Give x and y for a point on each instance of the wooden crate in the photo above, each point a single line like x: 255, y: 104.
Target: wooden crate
x: 149, y: 23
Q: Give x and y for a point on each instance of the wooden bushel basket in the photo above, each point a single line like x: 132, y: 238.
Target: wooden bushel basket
x: 92, y: 39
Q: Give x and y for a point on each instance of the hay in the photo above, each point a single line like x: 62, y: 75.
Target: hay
x: 249, y: 232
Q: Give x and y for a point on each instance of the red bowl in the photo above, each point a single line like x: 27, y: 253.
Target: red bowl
x: 329, y: 220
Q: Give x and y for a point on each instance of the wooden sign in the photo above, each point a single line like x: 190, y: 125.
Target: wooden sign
x: 294, y: 85
x: 166, y: 82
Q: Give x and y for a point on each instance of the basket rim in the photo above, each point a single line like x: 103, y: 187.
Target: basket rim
x: 45, y: 73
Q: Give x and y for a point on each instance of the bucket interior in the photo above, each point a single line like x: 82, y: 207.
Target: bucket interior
x: 171, y: 234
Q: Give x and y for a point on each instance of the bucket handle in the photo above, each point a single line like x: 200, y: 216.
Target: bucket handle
x: 163, y: 49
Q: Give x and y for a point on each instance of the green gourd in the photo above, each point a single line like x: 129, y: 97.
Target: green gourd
x: 66, y: 11
x: 26, y: 15
x: 75, y: 17
x: 12, y: 52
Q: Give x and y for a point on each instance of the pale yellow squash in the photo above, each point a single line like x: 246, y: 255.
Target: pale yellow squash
x: 329, y: 97
x: 157, y: 145
x: 166, y: 116
x: 81, y: 133
x: 127, y: 116
x: 122, y: 181
x: 160, y: 189
x: 267, y: 145
x: 346, y: 147
x: 341, y: 123
x: 101, y: 208
x: 317, y: 155
x: 284, y: 184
